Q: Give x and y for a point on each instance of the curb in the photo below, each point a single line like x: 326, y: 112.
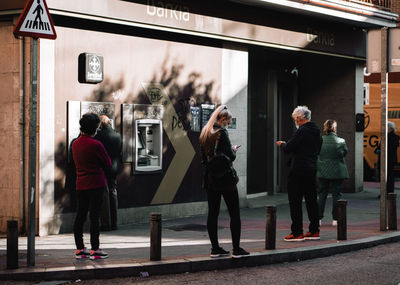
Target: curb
x: 101, y: 271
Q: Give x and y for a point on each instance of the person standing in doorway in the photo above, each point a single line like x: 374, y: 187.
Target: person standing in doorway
x: 91, y: 160
x: 214, y: 139
x: 304, y: 146
x: 332, y: 168
x: 393, y: 144
x: 113, y: 144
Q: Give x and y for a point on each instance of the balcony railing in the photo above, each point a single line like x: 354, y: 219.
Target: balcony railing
x: 380, y: 4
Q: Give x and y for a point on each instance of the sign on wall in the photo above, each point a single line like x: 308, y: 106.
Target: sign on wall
x: 90, y: 68
x: 195, y: 119
x: 206, y: 111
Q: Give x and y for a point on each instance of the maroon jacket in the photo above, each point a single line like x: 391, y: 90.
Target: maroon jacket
x: 91, y: 159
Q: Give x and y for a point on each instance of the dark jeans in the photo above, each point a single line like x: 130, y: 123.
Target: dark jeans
x: 390, y: 179
x: 109, y: 208
x: 300, y: 186
x: 231, y: 198
x: 324, y: 185
x: 88, y: 201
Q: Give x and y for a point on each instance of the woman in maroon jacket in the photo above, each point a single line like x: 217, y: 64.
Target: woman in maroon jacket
x: 91, y: 159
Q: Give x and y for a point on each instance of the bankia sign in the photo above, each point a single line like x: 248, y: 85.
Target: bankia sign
x: 199, y: 18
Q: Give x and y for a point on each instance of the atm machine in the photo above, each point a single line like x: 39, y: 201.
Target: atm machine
x: 148, y: 147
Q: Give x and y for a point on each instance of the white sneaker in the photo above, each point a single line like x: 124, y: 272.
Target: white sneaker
x: 334, y: 223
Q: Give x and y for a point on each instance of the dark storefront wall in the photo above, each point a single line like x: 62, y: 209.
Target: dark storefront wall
x: 188, y: 72
x: 328, y: 88
x: 279, y: 81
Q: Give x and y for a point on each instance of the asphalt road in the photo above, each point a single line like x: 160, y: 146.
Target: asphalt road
x: 378, y: 265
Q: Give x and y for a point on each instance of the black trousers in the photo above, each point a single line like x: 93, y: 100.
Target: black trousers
x: 108, y: 217
x: 231, y: 198
x: 390, y: 178
x: 300, y: 186
x: 88, y: 201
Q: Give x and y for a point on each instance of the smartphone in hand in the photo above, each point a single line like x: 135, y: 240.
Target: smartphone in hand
x: 236, y: 147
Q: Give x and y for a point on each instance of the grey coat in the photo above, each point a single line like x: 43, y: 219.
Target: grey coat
x: 331, y: 164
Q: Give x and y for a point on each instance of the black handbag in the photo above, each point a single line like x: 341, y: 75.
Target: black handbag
x: 219, y: 165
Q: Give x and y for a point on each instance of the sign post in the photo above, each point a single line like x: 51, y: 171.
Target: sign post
x: 383, y: 153
x: 35, y: 22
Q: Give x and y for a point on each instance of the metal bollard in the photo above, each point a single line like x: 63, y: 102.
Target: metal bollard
x: 12, y: 244
x: 270, y: 233
x: 392, y: 212
x: 155, y: 236
x: 342, y: 220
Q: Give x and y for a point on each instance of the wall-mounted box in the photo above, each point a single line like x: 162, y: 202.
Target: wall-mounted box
x: 90, y: 68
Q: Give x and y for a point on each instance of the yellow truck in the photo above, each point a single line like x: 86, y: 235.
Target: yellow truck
x: 372, y: 123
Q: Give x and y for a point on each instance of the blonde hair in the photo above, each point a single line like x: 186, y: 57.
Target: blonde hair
x: 208, y: 135
x: 330, y: 126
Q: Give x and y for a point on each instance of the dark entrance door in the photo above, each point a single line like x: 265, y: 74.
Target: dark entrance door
x: 272, y: 98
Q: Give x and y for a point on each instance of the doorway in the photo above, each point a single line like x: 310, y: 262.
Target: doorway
x: 272, y: 98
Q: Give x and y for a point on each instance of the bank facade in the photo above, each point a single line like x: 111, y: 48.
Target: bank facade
x: 158, y: 69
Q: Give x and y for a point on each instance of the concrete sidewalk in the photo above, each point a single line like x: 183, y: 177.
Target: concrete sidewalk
x: 186, y: 247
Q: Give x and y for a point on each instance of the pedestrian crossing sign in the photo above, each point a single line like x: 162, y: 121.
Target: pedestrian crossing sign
x: 35, y: 21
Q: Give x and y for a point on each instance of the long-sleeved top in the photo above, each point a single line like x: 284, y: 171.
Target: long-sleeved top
x: 224, y: 146
x: 331, y: 164
x: 304, y: 146
x: 91, y: 159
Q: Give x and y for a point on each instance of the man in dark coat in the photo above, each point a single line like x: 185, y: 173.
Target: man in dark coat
x: 113, y: 145
x: 393, y: 144
x: 304, y: 146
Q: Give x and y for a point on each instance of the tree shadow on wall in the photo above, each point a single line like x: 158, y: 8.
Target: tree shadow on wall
x: 182, y: 96
x: 192, y: 93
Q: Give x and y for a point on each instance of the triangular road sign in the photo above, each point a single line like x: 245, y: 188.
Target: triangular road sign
x: 35, y: 21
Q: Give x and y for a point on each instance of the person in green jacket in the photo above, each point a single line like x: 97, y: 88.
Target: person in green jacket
x: 331, y: 168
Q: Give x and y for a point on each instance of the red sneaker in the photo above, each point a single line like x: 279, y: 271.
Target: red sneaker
x: 292, y: 237
x: 312, y: 236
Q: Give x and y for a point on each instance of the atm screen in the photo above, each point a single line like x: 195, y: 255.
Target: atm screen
x: 140, y: 140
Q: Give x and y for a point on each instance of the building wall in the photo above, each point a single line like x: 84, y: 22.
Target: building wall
x: 329, y: 89
x: 396, y: 6
x: 15, y: 120
x: 234, y: 95
x: 10, y: 142
x: 129, y: 62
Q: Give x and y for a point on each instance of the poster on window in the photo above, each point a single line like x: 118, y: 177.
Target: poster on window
x: 195, y: 119
x: 206, y: 111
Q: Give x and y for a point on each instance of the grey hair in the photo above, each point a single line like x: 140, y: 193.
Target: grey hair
x: 302, y: 112
x: 391, y: 125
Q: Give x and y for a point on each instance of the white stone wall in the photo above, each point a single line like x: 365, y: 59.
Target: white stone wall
x: 234, y: 95
x: 47, y: 220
